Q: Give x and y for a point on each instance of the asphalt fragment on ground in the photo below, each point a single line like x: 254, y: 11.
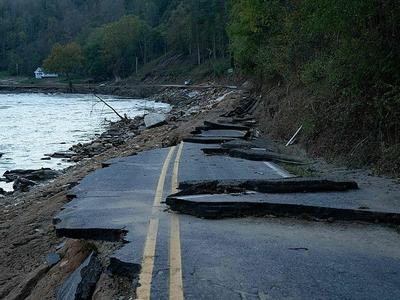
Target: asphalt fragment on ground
x: 102, y: 206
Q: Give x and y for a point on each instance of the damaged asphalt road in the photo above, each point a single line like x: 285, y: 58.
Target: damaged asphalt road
x: 176, y: 256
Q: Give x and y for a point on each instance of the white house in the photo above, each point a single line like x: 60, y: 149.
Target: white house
x: 40, y: 74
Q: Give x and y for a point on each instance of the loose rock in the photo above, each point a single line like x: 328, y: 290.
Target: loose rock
x: 23, y: 185
x: 154, y: 119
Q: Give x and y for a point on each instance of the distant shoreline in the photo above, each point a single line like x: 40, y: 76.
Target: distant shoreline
x: 128, y: 91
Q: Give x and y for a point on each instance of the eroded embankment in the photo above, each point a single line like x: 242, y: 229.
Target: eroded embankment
x: 26, y: 229
x: 347, y: 133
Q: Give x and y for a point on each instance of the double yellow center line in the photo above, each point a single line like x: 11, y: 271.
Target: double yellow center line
x: 175, y: 261
x: 175, y: 258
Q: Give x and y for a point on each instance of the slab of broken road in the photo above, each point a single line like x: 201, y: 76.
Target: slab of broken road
x: 218, y: 217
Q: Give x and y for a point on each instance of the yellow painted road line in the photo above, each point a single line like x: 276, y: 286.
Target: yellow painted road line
x: 175, y: 258
x: 146, y: 274
x: 161, y: 181
x: 176, y: 169
x: 175, y: 261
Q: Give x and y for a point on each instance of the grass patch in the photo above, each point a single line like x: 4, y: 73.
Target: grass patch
x: 300, y: 170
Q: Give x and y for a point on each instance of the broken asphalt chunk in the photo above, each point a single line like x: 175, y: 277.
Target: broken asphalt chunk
x: 123, y: 267
x: 240, y: 134
x: 262, y: 155
x: 52, y: 259
x: 207, y: 140
x: 265, y: 144
x: 82, y: 282
x: 101, y: 234
x: 285, y: 185
x: 328, y: 206
x: 215, y: 125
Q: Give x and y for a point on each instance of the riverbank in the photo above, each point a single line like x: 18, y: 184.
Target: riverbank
x: 27, y: 235
x: 123, y: 89
x: 105, y: 89
x: 40, y: 130
x: 185, y: 98
x: 27, y: 232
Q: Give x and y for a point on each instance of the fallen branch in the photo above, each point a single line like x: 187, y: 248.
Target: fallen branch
x: 109, y: 106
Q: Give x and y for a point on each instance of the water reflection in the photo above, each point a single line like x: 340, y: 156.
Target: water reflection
x: 32, y: 125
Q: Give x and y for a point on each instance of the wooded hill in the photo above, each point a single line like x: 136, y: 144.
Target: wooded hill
x: 343, y: 55
x: 111, y: 34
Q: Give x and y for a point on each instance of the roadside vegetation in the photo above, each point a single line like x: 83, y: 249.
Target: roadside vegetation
x: 331, y: 66
x: 334, y: 66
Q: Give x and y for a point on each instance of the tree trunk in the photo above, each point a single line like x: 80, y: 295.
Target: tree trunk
x: 214, y: 46
x: 70, y: 87
x: 198, y: 52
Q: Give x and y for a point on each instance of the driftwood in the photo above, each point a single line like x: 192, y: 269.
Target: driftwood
x: 109, y: 106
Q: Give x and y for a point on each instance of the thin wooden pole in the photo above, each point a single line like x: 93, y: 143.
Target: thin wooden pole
x: 108, y: 105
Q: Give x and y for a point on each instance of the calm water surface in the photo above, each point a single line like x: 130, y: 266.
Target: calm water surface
x: 32, y: 125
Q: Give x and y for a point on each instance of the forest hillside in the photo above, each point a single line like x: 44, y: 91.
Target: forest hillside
x: 331, y: 66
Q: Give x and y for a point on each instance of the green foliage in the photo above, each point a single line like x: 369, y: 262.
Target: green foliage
x: 4, y: 74
x: 14, y: 63
x: 177, y: 29
x: 190, y: 27
x: 255, y: 32
x: 347, y: 53
x: 112, y: 33
x: 220, y: 67
x: 64, y: 59
x: 112, y: 49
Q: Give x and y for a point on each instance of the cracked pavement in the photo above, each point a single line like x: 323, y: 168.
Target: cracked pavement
x: 239, y: 258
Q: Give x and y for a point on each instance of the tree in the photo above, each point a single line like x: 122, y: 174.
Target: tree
x: 123, y: 41
x: 178, y: 29
x: 65, y: 59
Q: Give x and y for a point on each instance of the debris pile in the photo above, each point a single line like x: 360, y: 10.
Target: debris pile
x: 189, y: 102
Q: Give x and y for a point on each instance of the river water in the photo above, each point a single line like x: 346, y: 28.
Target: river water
x: 32, y: 125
